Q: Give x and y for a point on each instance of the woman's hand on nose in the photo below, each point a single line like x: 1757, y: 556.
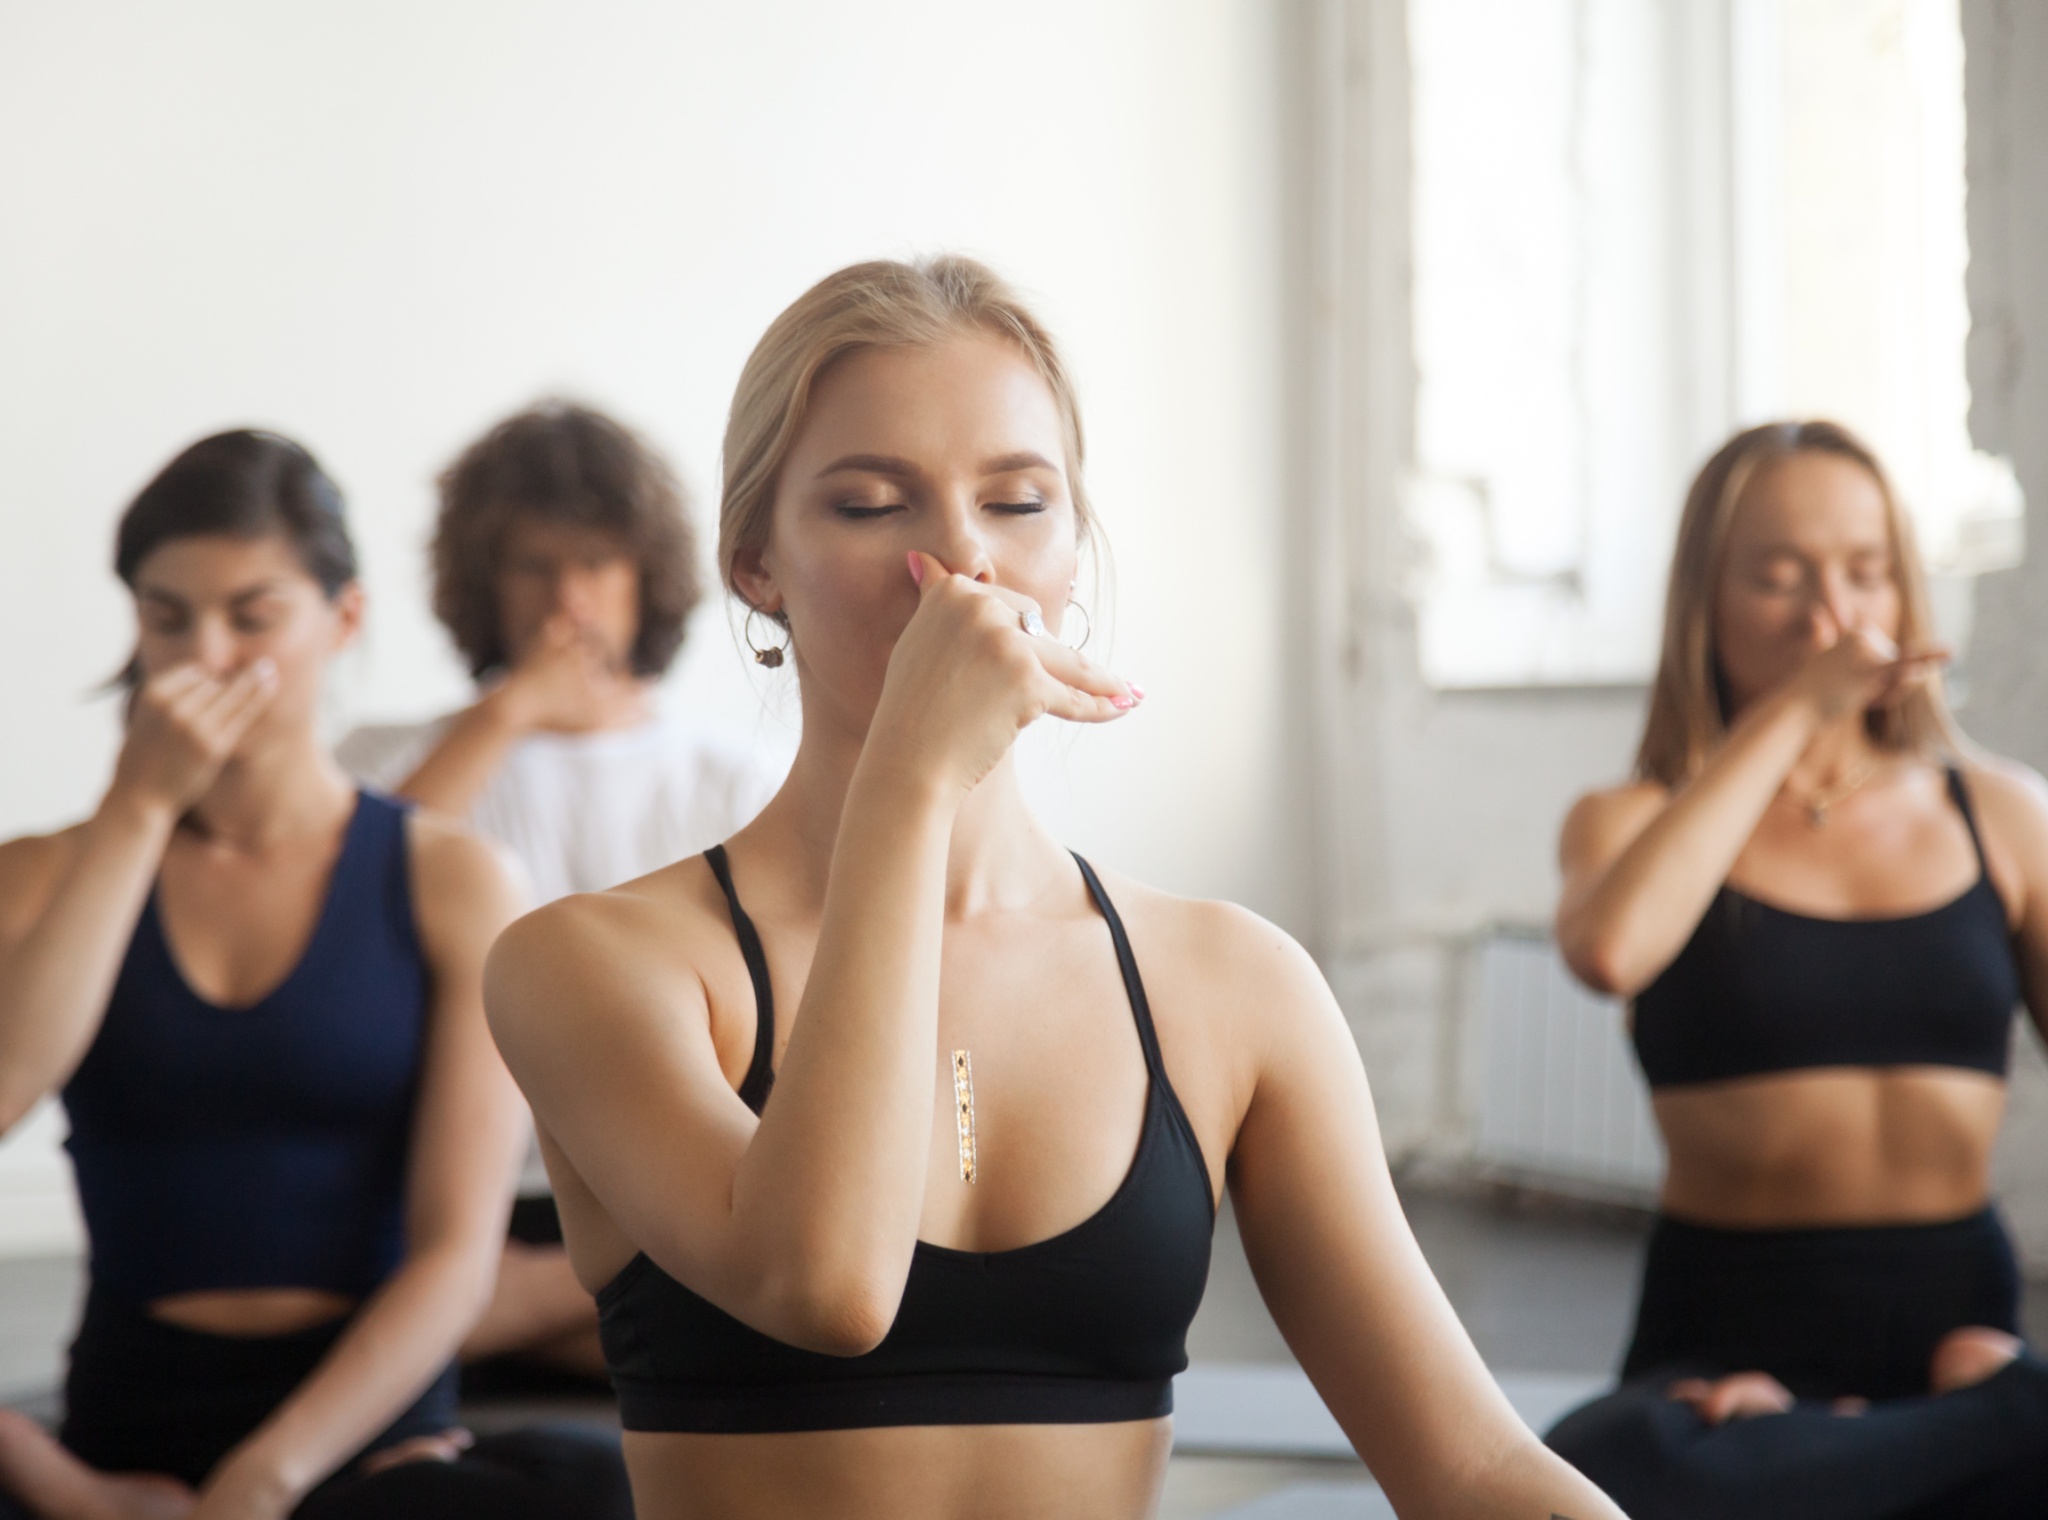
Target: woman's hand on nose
x: 966, y: 678
x: 182, y: 726
x: 1863, y: 668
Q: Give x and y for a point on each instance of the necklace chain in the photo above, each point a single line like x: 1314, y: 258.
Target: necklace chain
x: 1816, y: 803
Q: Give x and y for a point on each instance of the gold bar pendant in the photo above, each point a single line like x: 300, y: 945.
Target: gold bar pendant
x: 963, y: 1111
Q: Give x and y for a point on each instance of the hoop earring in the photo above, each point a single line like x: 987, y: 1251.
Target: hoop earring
x: 771, y: 656
x: 1087, y: 624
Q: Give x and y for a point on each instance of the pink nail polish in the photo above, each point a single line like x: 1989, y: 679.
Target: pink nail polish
x: 1121, y: 704
x: 1136, y: 690
x: 916, y: 567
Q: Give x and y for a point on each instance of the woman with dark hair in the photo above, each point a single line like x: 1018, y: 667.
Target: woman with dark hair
x: 889, y: 1132
x: 1824, y: 909
x: 565, y: 571
x: 258, y: 991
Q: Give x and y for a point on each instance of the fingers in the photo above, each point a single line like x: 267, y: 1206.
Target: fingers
x: 240, y: 701
x: 1072, y: 668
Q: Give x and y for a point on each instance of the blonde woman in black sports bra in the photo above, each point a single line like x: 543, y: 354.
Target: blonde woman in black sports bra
x: 1825, y: 914
x: 932, y: 1253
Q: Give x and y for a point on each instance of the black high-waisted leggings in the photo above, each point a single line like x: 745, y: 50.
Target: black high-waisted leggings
x: 146, y: 1396
x: 1829, y: 1313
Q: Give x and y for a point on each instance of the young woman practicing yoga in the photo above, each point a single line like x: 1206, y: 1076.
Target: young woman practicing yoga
x: 890, y: 1134
x: 1824, y: 911
x: 259, y: 991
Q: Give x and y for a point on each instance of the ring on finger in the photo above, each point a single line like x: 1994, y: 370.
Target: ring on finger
x: 1032, y: 623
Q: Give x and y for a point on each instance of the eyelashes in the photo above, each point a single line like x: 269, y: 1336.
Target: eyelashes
x: 868, y: 512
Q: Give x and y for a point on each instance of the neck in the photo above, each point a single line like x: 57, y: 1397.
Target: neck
x: 629, y: 704
x: 1000, y: 857
x: 271, y: 793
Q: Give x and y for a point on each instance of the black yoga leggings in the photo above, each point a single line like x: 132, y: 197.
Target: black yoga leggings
x: 146, y: 1396
x: 1828, y: 1312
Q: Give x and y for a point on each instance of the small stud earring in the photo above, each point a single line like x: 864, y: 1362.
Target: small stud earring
x: 772, y: 656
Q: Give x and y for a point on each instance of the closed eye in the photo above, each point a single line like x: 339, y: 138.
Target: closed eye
x: 1017, y: 508
x: 863, y: 512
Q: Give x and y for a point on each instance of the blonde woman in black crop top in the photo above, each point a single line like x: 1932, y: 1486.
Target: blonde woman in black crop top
x: 1824, y: 916
x: 828, y: 1289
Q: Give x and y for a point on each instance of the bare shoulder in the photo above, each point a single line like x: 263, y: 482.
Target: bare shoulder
x: 465, y: 889
x: 2008, y: 787
x: 636, y: 945
x: 30, y: 868
x: 2011, y: 802
x: 1602, y: 823
x: 1244, y: 978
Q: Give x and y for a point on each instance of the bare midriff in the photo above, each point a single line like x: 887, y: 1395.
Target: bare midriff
x: 958, y: 1472
x: 252, y: 1311
x: 1835, y: 1146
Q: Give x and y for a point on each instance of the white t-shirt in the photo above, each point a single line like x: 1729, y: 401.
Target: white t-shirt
x: 582, y: 812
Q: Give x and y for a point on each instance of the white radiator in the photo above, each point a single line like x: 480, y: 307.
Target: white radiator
x: 1560, y: 1101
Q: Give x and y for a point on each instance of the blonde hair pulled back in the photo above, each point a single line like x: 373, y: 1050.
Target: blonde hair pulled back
x: 884, y: 303
x: 1689, y: 713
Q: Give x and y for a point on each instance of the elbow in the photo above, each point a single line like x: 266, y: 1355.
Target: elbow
x: 1602, y: 964
x: 845, y: 1315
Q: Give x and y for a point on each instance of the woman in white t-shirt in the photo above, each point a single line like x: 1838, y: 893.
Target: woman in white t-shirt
x: 565, y: 570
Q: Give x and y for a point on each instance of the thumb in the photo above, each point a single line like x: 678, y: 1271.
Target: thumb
x: 926, y: 571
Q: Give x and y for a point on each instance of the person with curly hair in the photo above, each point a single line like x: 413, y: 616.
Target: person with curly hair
x: 564, y: 569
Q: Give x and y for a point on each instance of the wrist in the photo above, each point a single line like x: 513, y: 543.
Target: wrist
x: 131, y: 808
x: 903, y: 785
x: 270, y: 1478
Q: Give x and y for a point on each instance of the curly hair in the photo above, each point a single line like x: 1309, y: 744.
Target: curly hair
x: 562, y: 463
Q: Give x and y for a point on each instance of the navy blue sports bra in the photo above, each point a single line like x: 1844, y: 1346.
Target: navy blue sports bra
x: 260, y: 1147
x: 1086, y: 1327
x: 1761, y: 989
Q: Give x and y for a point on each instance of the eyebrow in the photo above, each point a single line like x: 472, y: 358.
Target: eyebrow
x: 903, y: 469
x: 148, y: 593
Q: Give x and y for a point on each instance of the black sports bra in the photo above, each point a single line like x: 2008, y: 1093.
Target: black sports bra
x: 1761, y: 989
x: 1086, y: 1327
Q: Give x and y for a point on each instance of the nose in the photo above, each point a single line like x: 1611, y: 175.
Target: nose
x: 1833, y: 610
x: 957, y: 542
x: 215, y: 647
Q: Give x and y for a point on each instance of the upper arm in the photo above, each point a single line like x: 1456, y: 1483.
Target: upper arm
x: 30, y: 869
x: 607, y: 1028
x: 1597, y: 832
x: 467, y: 1128
x: 2012, y: 808
x: 1333, y: 1254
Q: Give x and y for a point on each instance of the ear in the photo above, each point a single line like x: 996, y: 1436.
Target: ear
x: 348, y: 604
x: 755, y: 581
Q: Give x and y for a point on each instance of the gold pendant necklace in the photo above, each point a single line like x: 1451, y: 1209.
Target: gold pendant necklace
x: 963, y: 1111
x: 1815, y: 804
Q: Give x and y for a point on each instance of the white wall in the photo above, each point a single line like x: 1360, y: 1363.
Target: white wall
x: 379, y: 226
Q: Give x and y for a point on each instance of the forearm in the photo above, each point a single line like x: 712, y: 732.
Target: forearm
x: 1645, y: 905
x: 399, y: 1342
x: 832, y: 1184
x: 56, y: 979
x: 1527, y: 1482
x: 458, y: 768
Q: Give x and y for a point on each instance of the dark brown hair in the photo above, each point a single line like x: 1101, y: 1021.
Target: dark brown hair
x: 562, y: 463
x: 242, y: 484
x: 1689, y: 714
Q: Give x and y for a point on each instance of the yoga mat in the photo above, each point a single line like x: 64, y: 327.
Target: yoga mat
x: 1272, y: 1410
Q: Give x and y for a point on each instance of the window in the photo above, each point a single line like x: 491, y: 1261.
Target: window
x: 1636, y: 228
